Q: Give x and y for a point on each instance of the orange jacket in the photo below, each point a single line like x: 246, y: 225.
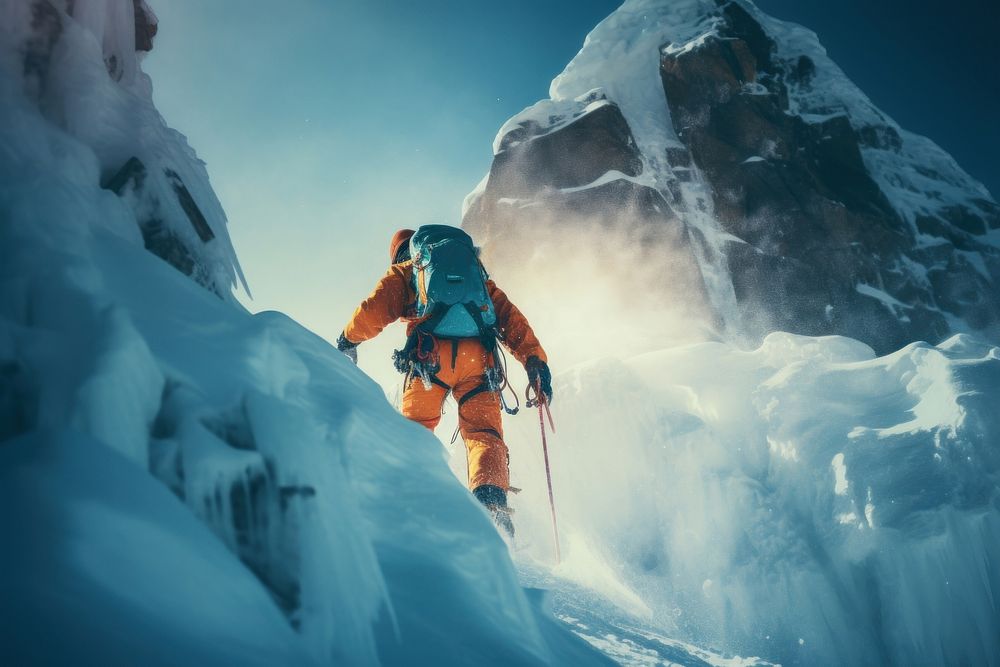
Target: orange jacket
x: 395, y: 298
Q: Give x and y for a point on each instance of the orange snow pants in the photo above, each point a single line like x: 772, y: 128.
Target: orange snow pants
x: 463, y: 364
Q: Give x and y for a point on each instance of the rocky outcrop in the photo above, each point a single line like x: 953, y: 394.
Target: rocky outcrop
x: 814, y: 223
x: 582, y: 178
x: 531, y: 159
x: 827, y: 218
x: 145, y: 25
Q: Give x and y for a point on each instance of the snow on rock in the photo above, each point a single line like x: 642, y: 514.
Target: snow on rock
x: 768, y: 183
x: 82, y: 71
x: 621, y: 56
x: 807, y: 501
x: 137, y: 397
x: 917, y: 175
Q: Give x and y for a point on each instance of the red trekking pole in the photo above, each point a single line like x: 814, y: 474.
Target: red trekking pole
x: 543, y: 411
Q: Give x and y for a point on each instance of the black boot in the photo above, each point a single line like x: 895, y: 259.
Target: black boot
x: 495, y: 500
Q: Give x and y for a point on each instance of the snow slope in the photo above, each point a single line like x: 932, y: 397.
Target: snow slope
x: 805, y: 502
x: 95, y: 544
x: 184, y: 482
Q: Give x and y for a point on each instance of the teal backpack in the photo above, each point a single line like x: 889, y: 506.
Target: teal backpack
x: 450, y: 283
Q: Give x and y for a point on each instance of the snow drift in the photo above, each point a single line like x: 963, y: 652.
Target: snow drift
x: 806, y: 501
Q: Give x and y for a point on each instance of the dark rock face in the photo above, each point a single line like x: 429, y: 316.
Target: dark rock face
x: 816, y: 246
x: 547, y: 168
x: 536, y: 184
x: 799, y: 194
x: 19, y: 395
x: 147, y: 194
x: 573, y: 156
x: 145, y: 26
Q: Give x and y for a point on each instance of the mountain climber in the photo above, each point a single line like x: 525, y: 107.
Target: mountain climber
x: 455, y: 315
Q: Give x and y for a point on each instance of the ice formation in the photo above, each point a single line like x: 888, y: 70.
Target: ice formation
x: 806, y: 501
x: 184, y: 482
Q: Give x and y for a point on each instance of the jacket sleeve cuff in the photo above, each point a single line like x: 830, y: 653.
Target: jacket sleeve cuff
x: 344, y: 343
x: 534, y: 352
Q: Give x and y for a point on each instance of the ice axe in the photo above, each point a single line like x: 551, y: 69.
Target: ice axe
x: 540, y: 401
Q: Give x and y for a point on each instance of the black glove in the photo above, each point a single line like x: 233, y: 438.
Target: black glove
x: 348, y: 348
x: 539, y: 373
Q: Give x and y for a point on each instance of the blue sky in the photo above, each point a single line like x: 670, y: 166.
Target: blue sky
x: 329, y: 124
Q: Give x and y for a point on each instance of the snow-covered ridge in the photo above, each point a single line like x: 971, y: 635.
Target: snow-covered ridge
x: 547, y: 116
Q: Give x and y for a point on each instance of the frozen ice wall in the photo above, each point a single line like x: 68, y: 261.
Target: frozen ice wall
x: 806, y: 502
x: 183, y: 482
x: 78, y: 65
